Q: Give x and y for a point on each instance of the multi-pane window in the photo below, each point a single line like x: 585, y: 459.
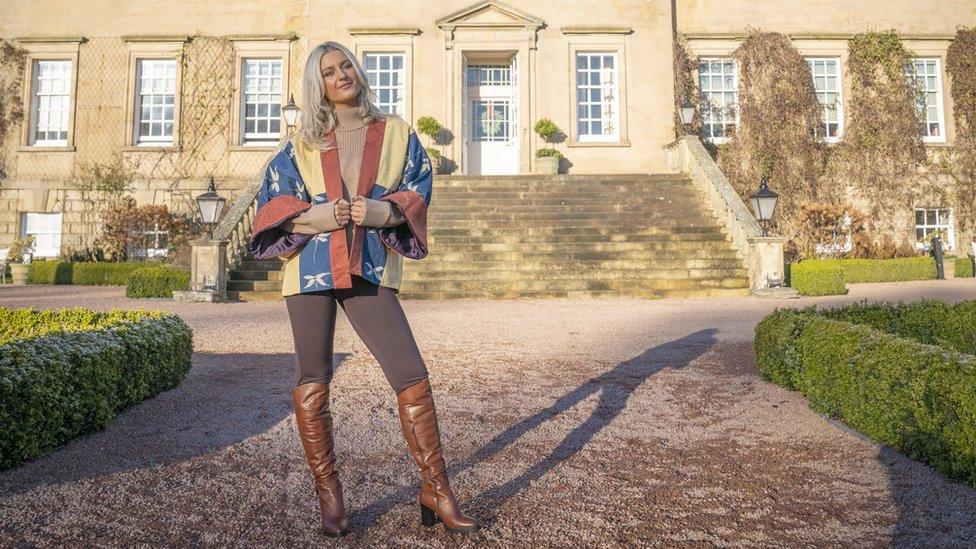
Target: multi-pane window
x: 931, y: 222
x: 46, y: 230
x: 490, y: 120
x: 489, y: 75
x: 718, y: 81
x: 925, y: 74
x: 386, y: 75
x: 262, y: 100
x: 155, y: 99
x: 826, y: 82
x: 50, y: 103
x: 597, y: 93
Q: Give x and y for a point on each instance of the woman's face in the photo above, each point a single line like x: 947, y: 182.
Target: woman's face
x: 341, y: 81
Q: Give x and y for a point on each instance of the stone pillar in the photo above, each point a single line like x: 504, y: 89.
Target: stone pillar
x: 208, y: 272
x: 767, y: 276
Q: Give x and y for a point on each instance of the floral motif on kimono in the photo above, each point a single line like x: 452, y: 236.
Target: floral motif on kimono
x: 395, y: 168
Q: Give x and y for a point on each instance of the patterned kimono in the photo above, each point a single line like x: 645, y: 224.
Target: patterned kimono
x: 395, y: 167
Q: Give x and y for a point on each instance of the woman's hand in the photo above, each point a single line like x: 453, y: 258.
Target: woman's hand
x: 320, y: 218
x: 370, y: 213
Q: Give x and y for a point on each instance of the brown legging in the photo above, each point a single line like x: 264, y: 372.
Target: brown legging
x: 374, y: 312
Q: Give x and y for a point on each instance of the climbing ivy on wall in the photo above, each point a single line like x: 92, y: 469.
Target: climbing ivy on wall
x: 881, y: 157
x: 779, y: 134
x: 961, y: 66
x: 12, y: 59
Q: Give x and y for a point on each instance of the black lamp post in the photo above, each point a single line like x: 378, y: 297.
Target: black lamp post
x: 210, y: 205
x: 290, y: 113
x: 687, y: 113
x: 764, y: 204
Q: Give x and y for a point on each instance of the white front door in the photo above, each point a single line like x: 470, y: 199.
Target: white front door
x: 490, y: 128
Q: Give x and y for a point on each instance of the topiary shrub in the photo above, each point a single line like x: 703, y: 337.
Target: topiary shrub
x: 69, y: 372
x: 157, y: 282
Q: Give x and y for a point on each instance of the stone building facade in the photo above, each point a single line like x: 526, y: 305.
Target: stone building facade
x: 173, y: 93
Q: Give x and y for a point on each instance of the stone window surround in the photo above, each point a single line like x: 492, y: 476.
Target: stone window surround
x: 151, y: 47
x: 257, y: 47
x: 390, y: 40
x: 55, y: 48
x: 598, y: 39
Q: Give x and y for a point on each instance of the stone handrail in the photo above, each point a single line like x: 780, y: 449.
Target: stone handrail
x: 762, y: 255
x: 235, y: 227
x: 688, y: 155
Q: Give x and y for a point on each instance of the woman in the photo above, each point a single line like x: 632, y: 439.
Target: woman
x: 344, y: 201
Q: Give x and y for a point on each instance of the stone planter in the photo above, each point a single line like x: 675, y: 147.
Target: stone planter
x: 19, y: 272
x: 547, y: 164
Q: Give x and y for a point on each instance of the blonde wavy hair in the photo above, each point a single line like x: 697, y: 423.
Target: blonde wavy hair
x: 318, y: 113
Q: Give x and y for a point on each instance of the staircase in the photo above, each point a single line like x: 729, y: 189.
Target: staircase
x: 544, y: 236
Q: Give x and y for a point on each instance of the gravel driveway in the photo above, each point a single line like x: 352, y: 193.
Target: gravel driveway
x: 565, y: 423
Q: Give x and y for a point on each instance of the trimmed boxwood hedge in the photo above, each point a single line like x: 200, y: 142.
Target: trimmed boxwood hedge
x: 819, y: 277
x: 964, y: 267
x: 101, y: 273
x: 50, y: 272
x: 904, y: 375
x: 68, y: 372
x: 814, y: 278
x: 157, y: 282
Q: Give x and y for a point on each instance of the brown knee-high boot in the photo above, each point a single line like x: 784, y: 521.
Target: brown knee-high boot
x: 314, y: 420
x: 419, y: 422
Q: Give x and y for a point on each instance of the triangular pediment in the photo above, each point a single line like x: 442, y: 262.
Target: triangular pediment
x: 489, y: 13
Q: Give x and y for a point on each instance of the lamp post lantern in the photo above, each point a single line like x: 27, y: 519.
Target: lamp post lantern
x: 210, y: 205
x: 290, y: 113
x: 687, y: 112
x: 764, y: 204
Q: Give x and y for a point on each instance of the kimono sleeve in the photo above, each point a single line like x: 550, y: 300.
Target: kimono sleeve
x: 412, y: 197
x: 282, y: 197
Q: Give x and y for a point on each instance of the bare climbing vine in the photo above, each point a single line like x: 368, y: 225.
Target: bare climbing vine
x: 780, y: 132
x: 207, y: 93
x: 685, y: 87
x: 12, y: 59
x: 961, y: 66
x: 881, y: 158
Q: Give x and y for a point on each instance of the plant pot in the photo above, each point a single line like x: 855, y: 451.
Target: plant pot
x: 19, y: 272
x: 547, y: 164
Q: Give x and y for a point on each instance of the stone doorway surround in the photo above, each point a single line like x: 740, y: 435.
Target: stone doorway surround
x: 491, y: 26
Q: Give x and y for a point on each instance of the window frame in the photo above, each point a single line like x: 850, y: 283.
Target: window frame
x: 940, y: 99
x: 40, y: 49
x: 259, y: 47
x: 735, y: 74
x: 267, y: 139
x: 378, y: 40
x: 949, y: 226
x: 615, y: 120
x: 24, y: 216
x: 150, y: 141
x: 402, y: 87
x: 841, y: 112
x: 143, y: 48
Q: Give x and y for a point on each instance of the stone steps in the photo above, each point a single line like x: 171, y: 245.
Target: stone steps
x: 565, y: 236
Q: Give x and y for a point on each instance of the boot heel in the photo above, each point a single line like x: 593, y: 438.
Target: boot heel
x: 427, y: 517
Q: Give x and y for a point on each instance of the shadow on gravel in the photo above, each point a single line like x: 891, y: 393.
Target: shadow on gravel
x: 224, y: 399
x: 614, y: 386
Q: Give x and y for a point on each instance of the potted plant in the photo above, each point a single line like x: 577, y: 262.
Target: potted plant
x: 429, y: 126
x: 19, y: 269
x: 547, y: 159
